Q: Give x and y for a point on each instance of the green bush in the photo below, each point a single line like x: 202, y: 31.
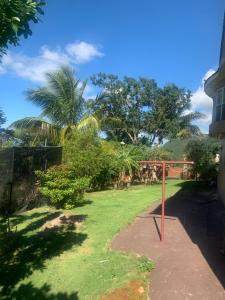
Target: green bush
x: 104, y: 161
x: 90, y: 156
x: 61, y: 187
x: 202, y: 151
x: 145, y: 265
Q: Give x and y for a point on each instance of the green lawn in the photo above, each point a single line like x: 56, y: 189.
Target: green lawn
x: 74, y: 263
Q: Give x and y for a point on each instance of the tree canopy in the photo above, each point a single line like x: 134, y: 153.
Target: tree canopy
x: 15, y: 18
x: 2, y: 118
x: 138, y: 110
x: 120, y: 106
x: 135, y: 111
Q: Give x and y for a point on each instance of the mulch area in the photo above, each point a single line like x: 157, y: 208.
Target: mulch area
x: 132, y: 291
x: 188, y: 263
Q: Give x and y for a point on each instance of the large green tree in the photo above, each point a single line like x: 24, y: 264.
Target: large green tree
x: 15, y: 18
x: 121, y: 105
x: 138, y: 110
x: 167, y: 116
x: 2, y: 118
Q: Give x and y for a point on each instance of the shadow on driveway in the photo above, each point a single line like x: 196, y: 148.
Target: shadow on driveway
x: 188, y: 263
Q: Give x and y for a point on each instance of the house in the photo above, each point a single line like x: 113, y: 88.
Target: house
x: 215, y: 88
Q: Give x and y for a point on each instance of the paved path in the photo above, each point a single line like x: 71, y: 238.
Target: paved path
x: 188, y: 263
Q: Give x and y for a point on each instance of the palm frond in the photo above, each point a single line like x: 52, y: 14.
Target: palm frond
x: 194, y: 129
x: 28, y: 122
x: 35, y: 128
x: 127, y: 159
x: 113, y: 123
x: 89, y: 123
x: 192, y: 116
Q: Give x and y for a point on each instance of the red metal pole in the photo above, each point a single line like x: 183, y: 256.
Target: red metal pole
x: 163, y: 164
x: 163, y: 199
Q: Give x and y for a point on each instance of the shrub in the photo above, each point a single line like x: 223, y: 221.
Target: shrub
x: 145, y: 265
x: 104, y: 161
x: 90, y: 156
x: 126, y: 157
x: 61, y: 187
x: 202, y: 152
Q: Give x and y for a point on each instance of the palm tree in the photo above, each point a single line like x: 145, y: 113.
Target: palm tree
x: 127, y: 159
x: 62, y: 104
x: 33, y: 131
x: 187, y: 129
x: 61, y: 100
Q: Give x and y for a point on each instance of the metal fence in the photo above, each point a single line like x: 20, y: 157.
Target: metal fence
x: 17, y: 166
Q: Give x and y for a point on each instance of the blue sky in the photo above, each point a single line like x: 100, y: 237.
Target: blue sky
x: 169, y: 41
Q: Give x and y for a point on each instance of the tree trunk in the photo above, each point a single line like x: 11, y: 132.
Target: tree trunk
x: 153, y: 139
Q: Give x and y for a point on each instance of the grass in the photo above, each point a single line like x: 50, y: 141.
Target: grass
x: 75, y: 263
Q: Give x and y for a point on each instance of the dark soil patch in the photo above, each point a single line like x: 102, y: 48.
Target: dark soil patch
x: 133, y: 291
x: 71, y: 221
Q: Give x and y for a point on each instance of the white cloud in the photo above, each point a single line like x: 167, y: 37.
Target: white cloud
x: 208, y: 74
x: 34, y: 68
x: 2, y: 70
x: 202, y: 103
x: 83, y: 52
x: 55, y: 56
x: 203, y: 124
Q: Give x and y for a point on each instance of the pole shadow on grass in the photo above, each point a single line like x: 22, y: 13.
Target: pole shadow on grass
x: 24, y: 251
x: 202, y: 215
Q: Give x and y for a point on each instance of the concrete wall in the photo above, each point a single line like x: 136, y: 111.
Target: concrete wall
x: 221, y: 177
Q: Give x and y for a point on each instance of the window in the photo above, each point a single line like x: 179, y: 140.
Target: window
x: 219, y: 109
